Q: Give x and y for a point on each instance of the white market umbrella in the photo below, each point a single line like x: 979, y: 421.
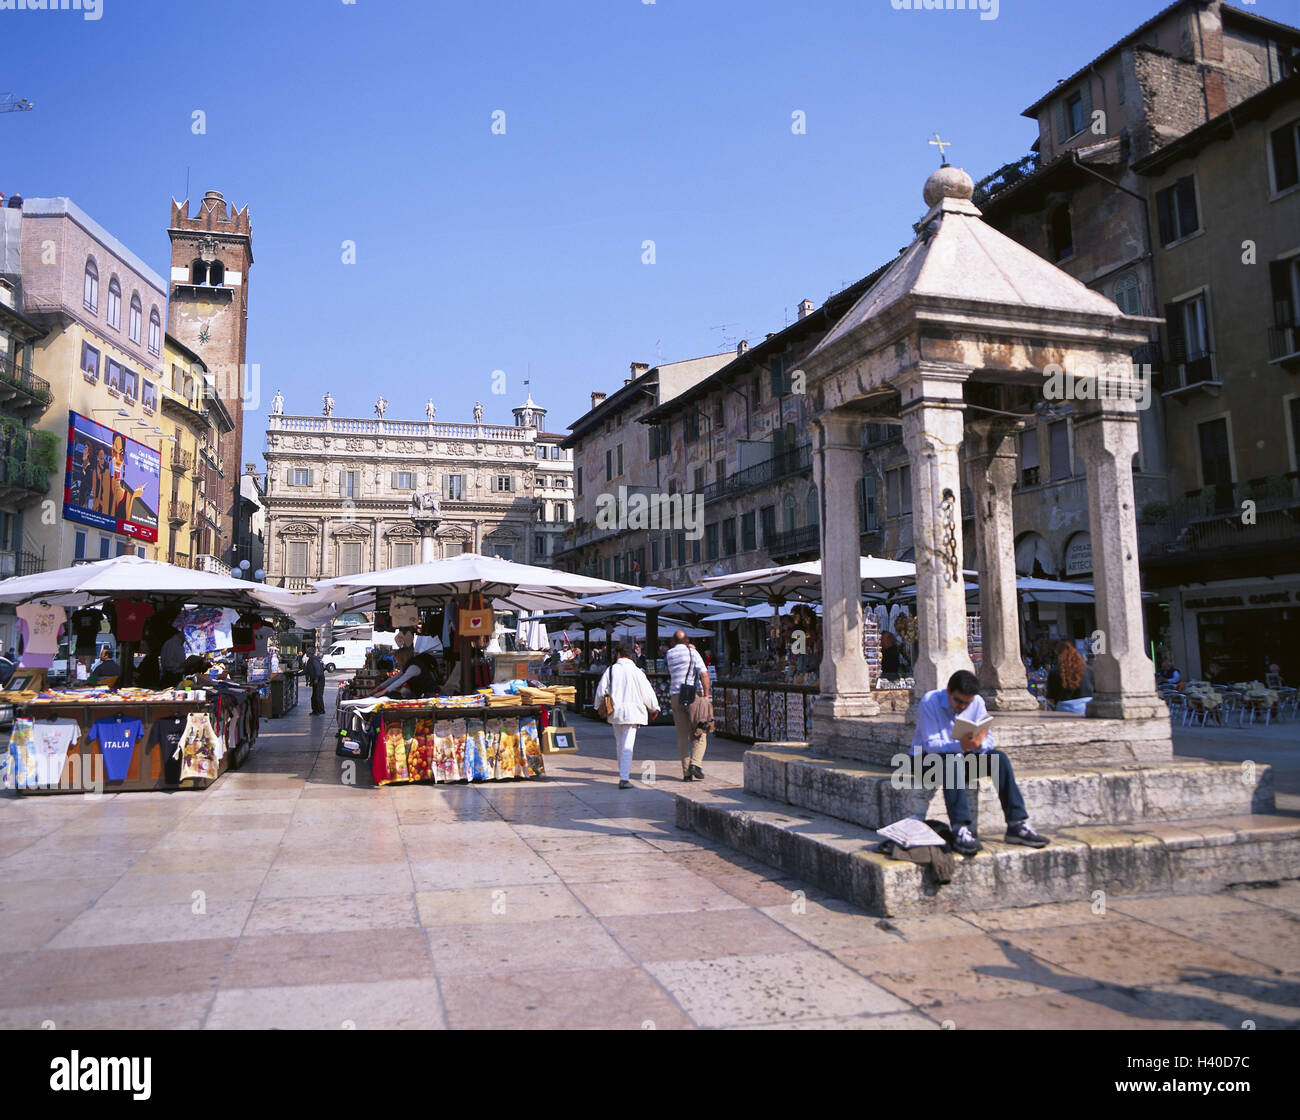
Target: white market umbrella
x: 803, y: 582
x: 758, y: 611
x: 133, y: 577
x: 511, y: 586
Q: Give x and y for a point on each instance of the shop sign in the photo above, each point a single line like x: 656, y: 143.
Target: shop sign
x: 1078, y: 556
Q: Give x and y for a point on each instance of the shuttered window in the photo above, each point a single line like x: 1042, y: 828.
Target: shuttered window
x: 1176, y: 211
x: 297, y: 558
x: 403, y: 480
x: 349, y: 558
x: 300, y: 476
x: 403, y: 554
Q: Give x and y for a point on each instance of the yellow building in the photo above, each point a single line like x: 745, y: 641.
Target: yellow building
x: 103, y: 309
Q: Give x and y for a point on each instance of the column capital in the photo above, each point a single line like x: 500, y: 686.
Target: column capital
x: 933, y: 385
x: 838, y: 428
x: 1120, y: 410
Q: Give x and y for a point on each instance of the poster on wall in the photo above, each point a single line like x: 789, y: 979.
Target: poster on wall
x: 112, y: 482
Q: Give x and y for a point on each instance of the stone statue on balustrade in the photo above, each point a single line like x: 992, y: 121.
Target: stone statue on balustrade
x: 429, y: 410
x: 478, y: 412
x: 328, y: 402
x: 277, y: 403
x: 381, y: 406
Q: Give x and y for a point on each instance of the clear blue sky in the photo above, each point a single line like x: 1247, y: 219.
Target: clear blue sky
x: 625, y: 121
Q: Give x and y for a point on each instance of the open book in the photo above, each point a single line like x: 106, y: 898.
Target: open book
x: 963, y: 727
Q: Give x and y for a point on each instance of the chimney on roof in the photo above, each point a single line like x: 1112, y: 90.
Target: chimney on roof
x: 250, y: 468
x: 597, y: 399
x: 638, y: 368
x: 806, y: 308
x: 742, y: 347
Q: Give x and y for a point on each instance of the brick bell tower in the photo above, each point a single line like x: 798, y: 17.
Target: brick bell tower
x: 212, y: 253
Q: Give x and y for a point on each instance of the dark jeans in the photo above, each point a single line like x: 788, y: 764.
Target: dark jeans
x: 318, y: 696
x: 954, y: 797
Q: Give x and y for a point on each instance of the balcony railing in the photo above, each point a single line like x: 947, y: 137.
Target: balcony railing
x: 350, y: 426
x: 296, y: 583
x: 180, y: 512
x: 1283, y: 343
x: 21, y: 389
x: 771, y: 470
x: 204, y: 563
x: 20, y: 564
x: 22, y: 480
x: 1187, y: 368
x: 794, y: 542
x: 182, y: 460
x: 1214, y: 517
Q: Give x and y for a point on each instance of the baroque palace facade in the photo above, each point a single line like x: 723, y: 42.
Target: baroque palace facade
x: 349, y: 494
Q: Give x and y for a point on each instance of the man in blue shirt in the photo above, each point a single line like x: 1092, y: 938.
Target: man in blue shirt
x: 933, y: 735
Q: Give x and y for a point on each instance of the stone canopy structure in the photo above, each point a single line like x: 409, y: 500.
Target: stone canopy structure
x: 957, y: 341
x: 965, y: 336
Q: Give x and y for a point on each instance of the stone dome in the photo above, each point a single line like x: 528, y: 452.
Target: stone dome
x: 948, y: 182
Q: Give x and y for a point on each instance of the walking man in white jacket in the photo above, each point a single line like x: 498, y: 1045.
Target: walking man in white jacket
x: 635, y: 704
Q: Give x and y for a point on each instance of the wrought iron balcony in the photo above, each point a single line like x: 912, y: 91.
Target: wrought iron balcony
x: 771, y: 470
x: 795, y: 542
x: 21, y: 391
x: 22, y: 481
x: 1215, y: 517
x: 20, y: 564
x: 182, y: 460
x: 1284, y: 345
x: 180, y: 512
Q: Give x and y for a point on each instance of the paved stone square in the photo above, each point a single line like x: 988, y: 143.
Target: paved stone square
x: 284, y: 898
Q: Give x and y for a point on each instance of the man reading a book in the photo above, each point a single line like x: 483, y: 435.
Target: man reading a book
x: 954, y: 720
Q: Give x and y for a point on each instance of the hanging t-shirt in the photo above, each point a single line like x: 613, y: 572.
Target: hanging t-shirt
x: 117, y: 740
x: 86, y: 624
x: 383, y: 621
x: 130, y: 616
x: 166, y: 737
x: 241, y: 633
x: 49, y: 747
x: 41, y: 624
x: 206, y: 630
x: 201, y: 749
x: 402, y: 610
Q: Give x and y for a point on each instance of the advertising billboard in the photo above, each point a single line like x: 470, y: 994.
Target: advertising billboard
x: 112, y: 482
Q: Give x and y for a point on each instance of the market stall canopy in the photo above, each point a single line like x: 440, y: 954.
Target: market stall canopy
x: 133, y: 577
x: 511, y: 586
x: 759, y: 611
x: 601, y: 634
x: 800, y: 582
x: 650, y: 599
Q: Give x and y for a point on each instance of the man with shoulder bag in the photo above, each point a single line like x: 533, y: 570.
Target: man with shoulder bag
x: 688, y: 677
x: 627, y: 700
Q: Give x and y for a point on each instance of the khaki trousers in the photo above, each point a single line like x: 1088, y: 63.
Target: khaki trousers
x: 689, y: 750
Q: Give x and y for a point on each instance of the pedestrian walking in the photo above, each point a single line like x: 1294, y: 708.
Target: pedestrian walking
x: 687, y: 677
x: 632, y: 704
x: 315, y: 669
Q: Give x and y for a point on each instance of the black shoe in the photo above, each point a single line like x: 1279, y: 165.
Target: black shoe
x: 624, y: 784
x: 965, y: 842
x: 697, y: 773
x: 1021, y: 833
x: 689, y: 776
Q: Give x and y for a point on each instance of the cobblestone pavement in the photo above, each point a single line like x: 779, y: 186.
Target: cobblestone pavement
x: 284, y: 898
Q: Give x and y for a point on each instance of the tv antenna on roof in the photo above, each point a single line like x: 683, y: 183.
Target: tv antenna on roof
x: 728, y: 341
x: 11, y: 104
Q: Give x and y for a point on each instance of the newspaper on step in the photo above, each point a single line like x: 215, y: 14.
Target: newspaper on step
x: 910, y: 833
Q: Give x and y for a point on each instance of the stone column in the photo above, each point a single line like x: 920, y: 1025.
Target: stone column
x: 1123, y: 676
x: 845, y: 688
x: 991, y: 465
x: 427, y: 544
x: 932, y: 412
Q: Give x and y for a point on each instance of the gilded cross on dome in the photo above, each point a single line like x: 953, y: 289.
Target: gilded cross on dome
x: 941, y: 144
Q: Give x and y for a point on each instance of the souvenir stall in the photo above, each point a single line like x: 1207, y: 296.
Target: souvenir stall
x: 136, y: 727
x: 484, y: 722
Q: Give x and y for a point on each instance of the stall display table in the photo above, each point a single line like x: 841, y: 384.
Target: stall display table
x: 429, y: 741
x: 232, y: 714
x: 763, y: 711
x: 589, y: 679
x: 284, y: 693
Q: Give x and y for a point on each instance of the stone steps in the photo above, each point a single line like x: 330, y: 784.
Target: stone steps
x: 1179, y: 857
x: 865, y: 794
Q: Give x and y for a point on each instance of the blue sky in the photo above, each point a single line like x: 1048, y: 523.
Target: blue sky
x: 624, y: 122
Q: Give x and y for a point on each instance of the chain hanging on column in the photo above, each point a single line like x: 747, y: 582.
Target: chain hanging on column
x: 952, y: 562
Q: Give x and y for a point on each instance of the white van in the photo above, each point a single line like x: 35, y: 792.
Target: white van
x: 347, y: 654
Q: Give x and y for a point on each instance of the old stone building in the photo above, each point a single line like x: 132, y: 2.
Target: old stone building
x: 1095, y: 198
x: 212, y: 253
x: 350, y: 494
x: 615, y: 461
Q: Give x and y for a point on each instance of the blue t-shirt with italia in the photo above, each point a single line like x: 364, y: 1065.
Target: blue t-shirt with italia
x: 117, y: 740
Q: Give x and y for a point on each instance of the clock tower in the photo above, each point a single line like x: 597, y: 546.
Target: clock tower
x: 212, y: 253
